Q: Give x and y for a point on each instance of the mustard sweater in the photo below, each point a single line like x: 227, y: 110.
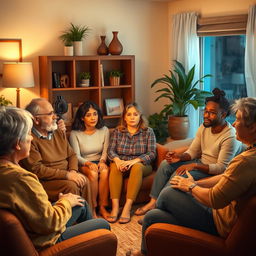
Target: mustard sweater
x: 51, y: 159
x: 22, y: 193
x: 237, y: 184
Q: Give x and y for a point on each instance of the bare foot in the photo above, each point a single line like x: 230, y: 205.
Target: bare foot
x: 104, y: 213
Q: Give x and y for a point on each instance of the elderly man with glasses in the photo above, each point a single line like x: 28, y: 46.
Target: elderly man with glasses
x: 214, y: 146
x: 51, y: 157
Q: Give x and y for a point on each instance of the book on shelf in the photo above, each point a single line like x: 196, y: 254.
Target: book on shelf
x: 55, y: 80
x: 101, y: 75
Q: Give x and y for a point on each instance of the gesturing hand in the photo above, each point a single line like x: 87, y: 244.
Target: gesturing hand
x: 78, y: 178
x: 172, y: 157
x: 61, y: 125
x: 182, y: 183
x: 73, y: 199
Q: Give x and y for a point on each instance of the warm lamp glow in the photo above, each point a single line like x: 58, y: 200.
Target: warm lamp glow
x: 18, y: 75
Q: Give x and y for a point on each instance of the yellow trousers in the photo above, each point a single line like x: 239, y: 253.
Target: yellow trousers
x: 135, y: 174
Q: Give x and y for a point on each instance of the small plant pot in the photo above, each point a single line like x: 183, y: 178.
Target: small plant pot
x: 68, y: 50
x: 114, y: 80
x: 85, y: 82
x: 78, y: 48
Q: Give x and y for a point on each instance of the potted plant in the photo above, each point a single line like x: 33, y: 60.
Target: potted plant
x: 4, y: 101
x: 77, y: 33
x: 66, y: 38
x: 158, y: 123
x: 181, y: 92
x: 84, y: 78
x: 114, y: 77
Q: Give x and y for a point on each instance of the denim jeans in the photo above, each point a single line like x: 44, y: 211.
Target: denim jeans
x: 179, y: 208
x: 166, y: 171
x: 83, y: 217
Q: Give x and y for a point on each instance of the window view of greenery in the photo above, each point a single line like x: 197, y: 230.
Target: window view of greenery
x: 223, y: 58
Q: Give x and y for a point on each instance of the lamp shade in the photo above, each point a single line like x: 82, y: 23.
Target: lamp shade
x: 18, y: 75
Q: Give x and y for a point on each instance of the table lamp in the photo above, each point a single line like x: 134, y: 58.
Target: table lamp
x: 18, y: 75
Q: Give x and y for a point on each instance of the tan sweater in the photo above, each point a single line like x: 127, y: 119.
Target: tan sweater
x: 51, y: 159
x: 23, y: 194
x: 237, y: 184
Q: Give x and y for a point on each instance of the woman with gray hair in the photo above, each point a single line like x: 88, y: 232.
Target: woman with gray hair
x: 22, y: 193
x: 211, y: 205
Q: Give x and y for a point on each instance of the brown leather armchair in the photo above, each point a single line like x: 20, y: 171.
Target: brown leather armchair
x: 14, y: 241
x: 166, y: 239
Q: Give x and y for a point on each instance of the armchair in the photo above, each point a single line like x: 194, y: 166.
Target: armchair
x: 15, y: 241
x: 167, y: 239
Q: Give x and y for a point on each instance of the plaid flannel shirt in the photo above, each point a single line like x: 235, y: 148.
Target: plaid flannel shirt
x: 141, y: 145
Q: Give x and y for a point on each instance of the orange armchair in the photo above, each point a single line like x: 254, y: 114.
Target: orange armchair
x: 166, y: 239
x: 14, y: 241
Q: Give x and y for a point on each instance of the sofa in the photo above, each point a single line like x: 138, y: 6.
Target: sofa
x: 14, y: 241
x: 166, y: 239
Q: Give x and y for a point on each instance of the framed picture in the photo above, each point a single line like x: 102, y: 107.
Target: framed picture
x: 114, y: 107
x: 10, y: 50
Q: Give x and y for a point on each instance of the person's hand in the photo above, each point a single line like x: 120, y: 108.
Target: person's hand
x: 182, y: 183
x: 102, y: 166
x: 61, y: 125
x: 118, y: 163
x: 172, y: 157
x: 92, y: 166
x: 186, y: 167
x: 75, y: 200
x: 78, y: 178
x: 126, y: 165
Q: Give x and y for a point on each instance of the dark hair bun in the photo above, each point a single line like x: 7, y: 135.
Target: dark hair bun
x: 218, y: 92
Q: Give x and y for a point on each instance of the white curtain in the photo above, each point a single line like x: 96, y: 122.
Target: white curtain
x: 250, y: 53
x: 185, y: 49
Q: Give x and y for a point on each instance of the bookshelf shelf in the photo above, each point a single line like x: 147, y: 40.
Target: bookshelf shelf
x: 70, y: 67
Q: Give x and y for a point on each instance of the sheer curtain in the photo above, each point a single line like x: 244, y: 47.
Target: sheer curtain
x: 185, y: 43
x: 250, y: 53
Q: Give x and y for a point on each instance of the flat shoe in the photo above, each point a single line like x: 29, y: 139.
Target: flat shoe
x: 140, y: 211
x: 112, y: 219
x: 124, y: 220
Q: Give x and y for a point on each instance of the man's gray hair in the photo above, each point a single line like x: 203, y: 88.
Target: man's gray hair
x: 248, y: 108
x: 34, y: 106
x: 15, y: 125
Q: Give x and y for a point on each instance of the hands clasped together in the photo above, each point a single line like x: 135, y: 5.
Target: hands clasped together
x: 124, y: 166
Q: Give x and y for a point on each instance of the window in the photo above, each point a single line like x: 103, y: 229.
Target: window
x: 222, y: 55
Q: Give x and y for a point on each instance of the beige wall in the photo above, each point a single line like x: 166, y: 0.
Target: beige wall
x: 142, y: 26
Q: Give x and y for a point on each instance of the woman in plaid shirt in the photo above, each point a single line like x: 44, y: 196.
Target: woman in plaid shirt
x: 132, y: 148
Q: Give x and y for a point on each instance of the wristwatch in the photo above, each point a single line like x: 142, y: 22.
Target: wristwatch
x: 191, y: 187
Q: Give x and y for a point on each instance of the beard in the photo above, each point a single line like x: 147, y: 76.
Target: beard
x: 210, y: 123
x: 50, y: 128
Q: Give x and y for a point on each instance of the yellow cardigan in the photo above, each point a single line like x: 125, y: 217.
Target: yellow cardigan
x: 22, y: 193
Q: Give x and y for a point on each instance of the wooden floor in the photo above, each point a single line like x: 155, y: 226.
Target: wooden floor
x: 128, y: 235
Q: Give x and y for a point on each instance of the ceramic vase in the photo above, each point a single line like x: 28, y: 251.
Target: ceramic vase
x: 60, y: 106
x: 78, y: 48
x: 102, y: 49
x: 115, y: 47
x: 68, y: 50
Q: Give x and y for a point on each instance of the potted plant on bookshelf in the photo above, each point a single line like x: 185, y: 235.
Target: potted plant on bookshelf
x: 181, y: 91
x: 85, y: 79
x: 4, y: 101
x: 78, y: 33
x: 66, y: 38
x: 114, y: 77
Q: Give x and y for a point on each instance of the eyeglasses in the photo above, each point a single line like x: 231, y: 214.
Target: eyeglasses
x: 47, y: 114
x: 210, y: 113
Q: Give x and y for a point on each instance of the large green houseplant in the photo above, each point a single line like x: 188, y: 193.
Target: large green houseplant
x: 181, y: 91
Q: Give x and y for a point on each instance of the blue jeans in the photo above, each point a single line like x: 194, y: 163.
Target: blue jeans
x: 83, y: 217
x: 179, y: 208
x: 166, y: 171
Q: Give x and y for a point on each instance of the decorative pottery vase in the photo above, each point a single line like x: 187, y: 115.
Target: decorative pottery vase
x: 102, y: 49
x: 68, y: 50
x: 78, y: 48
x: 115, y: 47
